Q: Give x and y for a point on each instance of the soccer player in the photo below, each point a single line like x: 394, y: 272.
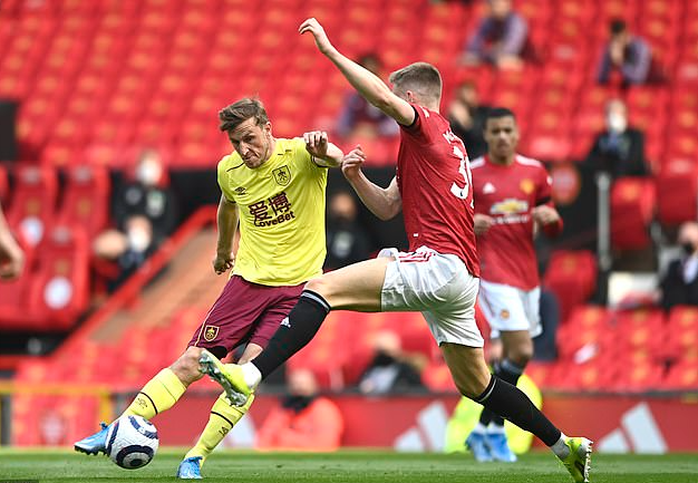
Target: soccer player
x: 11, y: 255
x: 512, y: 199
x: 275, y: 189
x: 438, y: 277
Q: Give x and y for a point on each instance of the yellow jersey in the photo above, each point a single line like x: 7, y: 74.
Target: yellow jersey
x: 281, y: 206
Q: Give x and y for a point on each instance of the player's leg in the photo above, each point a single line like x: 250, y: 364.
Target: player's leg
x: 355, y: 287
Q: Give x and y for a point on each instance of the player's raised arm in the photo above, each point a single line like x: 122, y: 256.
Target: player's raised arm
x: 324, y: 153
x: 227, y: 218
x: 370, y: 86
x: 385, y: 203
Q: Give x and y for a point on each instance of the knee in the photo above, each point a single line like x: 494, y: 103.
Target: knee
x: 318, y: 285
x: 187, y: 366
x: 521, y: 355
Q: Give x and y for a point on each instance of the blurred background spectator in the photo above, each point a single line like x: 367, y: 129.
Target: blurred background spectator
x: 347, y: 240
x: 303, y: 420
x: 467, y: 118
x: 361, y: 120
x: 680, y: 283
x: 390, y: 370
x: 626, y: 57
x: 620, y: 148
x: 500, y: 39
x: 145, y: 213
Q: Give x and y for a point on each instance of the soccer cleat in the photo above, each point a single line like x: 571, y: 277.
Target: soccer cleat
x: 578, y: 461
x: 95, y: 444
x: 478, y: 447
x: 229, y: 377
x: 190, y: 468
x: 499, y: 447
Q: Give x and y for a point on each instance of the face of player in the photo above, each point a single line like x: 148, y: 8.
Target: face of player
x: 254, y: 143
x: 502, y: 136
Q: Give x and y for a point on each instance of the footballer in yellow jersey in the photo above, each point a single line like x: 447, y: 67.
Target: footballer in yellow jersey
x: 275, y: 190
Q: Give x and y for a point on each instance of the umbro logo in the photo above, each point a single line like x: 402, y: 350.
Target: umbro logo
x: 240, y: 190
x: 488, y: 188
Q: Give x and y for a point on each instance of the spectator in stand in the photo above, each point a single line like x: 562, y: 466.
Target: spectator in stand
x: 390, y: 370
x: 145, y: 214
x: 501, y: 38
x: 359, y: 118
x: 304, y: 420
x: 467, y: 118
x: 11, y: 255
x: 347, y: 241
x: 620, y: 149
x: 626, y: 54
x: 680, y: 284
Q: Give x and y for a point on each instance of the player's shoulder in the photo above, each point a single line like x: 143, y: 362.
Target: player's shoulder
x: 230, y: 161
x: 531, y: 162
x: 478, y: 162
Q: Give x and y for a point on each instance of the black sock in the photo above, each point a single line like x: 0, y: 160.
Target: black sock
x: 486, y: 415
x: 510, y: 372
x: 294, y: 333
x: 502, y: 398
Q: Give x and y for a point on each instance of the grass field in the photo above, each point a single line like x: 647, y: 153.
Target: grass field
x: 360, y: 467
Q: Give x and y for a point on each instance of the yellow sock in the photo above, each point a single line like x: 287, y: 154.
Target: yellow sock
x: 158, y: 395
x: 222, y: 419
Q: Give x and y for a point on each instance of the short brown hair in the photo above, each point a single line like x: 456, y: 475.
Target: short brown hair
x: 420, y: 77
x: 238, y: 112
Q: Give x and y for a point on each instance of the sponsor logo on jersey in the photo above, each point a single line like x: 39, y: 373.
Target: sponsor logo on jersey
x: 509, y: 206
x: 210, y: 333
x: 282, y: 175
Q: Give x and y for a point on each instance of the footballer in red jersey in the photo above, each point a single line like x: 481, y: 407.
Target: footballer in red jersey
x: 438, y: 276
x: 512, y: 200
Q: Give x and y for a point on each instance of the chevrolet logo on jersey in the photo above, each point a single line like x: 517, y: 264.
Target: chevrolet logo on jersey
x: 210, y: 333
x: 509, y: 206
x: 282, y: 175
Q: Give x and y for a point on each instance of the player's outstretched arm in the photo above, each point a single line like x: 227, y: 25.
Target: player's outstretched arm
x: 369, y: 85
x: 11, y: 255
x: 324, y: 153
x: 385, y: 203
x: 227, y: 219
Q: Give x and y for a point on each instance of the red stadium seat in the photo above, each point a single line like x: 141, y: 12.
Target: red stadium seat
x: 677, y: 191
x: 572, y: 276
x: 86, y: 200
x: 632, y: 210
x: 33, y: 202
x: 60, y: 288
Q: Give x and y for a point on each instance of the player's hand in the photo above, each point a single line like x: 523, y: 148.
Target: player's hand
x: 223, y: 262
x: 352, y: 161
x: 482, y: 223
x: 545, y: 215
x: 11, y: 261
x: 316, y: 143
x: 313, y: 26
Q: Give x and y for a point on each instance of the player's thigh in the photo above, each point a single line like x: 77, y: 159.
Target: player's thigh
x: 354, y: 287
x: 503, y: 307
x: 232, y: 317
x: 468, y: 368
x: 268, y: 322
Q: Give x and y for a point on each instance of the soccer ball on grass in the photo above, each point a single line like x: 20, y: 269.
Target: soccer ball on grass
x: 132, y: 442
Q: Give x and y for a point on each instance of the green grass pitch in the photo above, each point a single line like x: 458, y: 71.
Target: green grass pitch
x: 344, y: 466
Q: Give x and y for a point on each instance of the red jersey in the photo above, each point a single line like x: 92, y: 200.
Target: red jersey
x: 508, y: 194
x: 433, y: 175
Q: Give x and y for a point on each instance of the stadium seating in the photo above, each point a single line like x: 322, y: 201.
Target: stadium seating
x: 571, y: 275
x: 632, y: 210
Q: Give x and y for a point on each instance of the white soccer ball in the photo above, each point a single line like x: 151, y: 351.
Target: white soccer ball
x: 132, y: 442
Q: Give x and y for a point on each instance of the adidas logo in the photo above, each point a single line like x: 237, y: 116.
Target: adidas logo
x: 638, y: 433
x: 488, y: 188
x: 429, y: 434
x: 286, y: 322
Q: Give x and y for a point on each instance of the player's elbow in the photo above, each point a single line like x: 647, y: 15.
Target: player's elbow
x: 390, y: 211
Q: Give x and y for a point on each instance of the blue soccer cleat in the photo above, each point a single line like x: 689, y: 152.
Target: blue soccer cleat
x: 499, y: 448
x: 95, y: 444
x: 190, y: 468
x: 478, y: 447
